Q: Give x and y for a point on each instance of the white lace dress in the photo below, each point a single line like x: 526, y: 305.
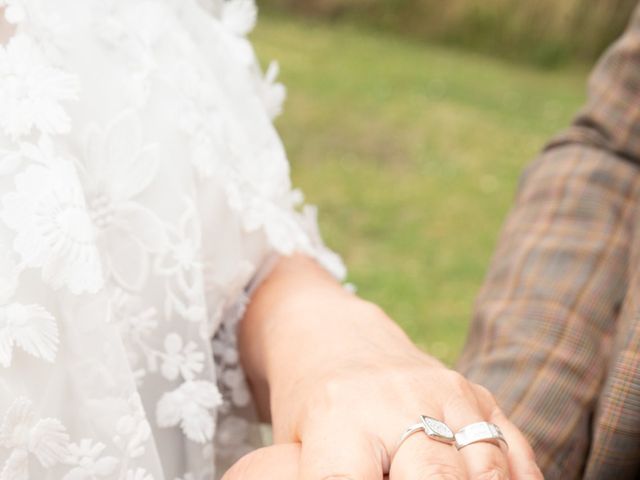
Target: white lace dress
x: 143, y: 191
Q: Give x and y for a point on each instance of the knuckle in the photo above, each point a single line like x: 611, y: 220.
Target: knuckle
x: 496, y: 414
x: 484, y: 394
x: 331, y: 393
x: 442, y: 471
x: 328, y: 404
x: 530, y: 469
x: 326, y: 397
x: 334, y: 387
x: 493, y: 473
x: 459, y: 383
x: 529, y: 454
x: 532, y: 473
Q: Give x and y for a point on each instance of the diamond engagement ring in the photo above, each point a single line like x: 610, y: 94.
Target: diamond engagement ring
x: 433, y: 428
x: 480, y: 432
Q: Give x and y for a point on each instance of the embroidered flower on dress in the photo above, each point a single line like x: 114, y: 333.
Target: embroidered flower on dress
x: 134, y: 320
x: 238, y: 19
x: 330, y: 260
x: 181, y: 359
x: 232, y: 431
x: 89, y: 465
x: 41, y: 152
x: 9, y: 160
x: 271, y: 92
x: 53, y: 229
x: 116, y: 168
x: 239, y: 16
x: 207, y: 131
x: 107, y: 213
x: 44, y: 25
x: 31, y: 91
x: 31, y: 328
x: 182, y: 266
x: 23, y: 434
x: 188, y: 406
x: 9, y: 272
x: 133, y: 429
x: 134, y: 32
x: 264, y: 210
x: 235, y: 381
x: 14, y: 11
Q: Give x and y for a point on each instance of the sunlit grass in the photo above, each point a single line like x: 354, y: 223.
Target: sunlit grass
x: 413, y: 154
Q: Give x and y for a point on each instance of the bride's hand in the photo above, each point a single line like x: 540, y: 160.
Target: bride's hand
x: 349, y: 411
x: 344, y: 381
x: 349, y: 417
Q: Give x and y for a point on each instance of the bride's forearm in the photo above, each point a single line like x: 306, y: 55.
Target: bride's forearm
x: 300, y: 320
x: 341, y: 379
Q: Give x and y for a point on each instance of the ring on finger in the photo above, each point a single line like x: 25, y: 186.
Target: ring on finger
x: 480, y: 432
x: 433, y: 428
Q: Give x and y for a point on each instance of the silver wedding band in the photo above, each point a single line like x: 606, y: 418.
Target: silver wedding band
x: 480, y: 432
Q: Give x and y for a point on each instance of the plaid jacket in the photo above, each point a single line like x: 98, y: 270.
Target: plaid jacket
x: 556, y: 330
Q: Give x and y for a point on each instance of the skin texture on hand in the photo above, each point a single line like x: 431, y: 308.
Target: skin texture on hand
x: 276, y: 462
x: 339, y: 377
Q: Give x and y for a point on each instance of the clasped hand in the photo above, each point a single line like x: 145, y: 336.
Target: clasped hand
x: 340, y: 398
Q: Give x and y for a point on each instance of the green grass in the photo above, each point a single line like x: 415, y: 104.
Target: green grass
x: 547, y: 33
x: 412, y: 153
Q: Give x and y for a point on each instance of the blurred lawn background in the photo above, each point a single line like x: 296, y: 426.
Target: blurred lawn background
x: 411, y: 143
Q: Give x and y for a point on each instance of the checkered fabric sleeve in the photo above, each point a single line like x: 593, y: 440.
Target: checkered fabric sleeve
x: 551, y: 320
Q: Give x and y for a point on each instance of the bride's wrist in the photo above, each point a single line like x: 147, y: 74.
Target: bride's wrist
x: 302, y: 323
x: 316, y: 338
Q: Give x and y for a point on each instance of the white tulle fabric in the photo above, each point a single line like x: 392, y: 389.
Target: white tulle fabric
x: 143, y: 189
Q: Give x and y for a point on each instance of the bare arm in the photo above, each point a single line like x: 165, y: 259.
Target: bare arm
x: 338, y: 376
x: 299, y: 319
